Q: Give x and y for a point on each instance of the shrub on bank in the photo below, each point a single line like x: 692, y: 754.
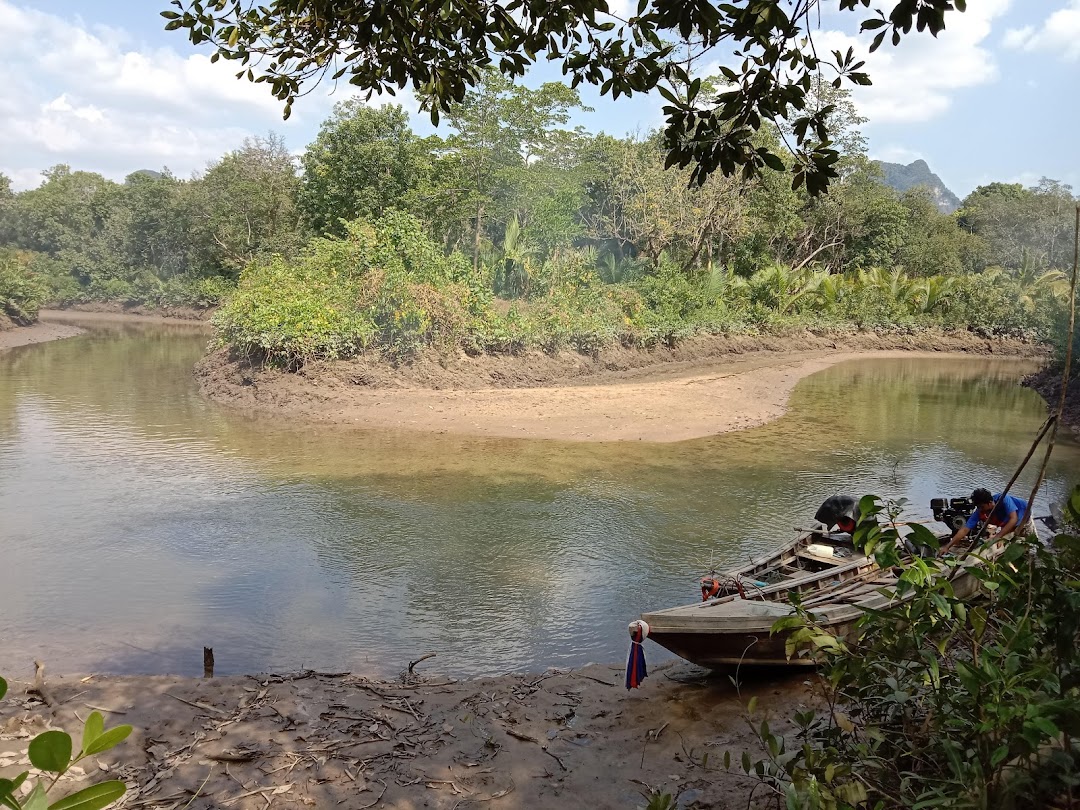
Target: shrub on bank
x: 143, y: 288
x: 388, y: 286
x: 22, y: 289
x: 385, y: 283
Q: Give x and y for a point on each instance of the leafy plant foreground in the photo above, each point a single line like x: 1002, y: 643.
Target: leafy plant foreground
x: 52, y: 756
x: 942, y: 702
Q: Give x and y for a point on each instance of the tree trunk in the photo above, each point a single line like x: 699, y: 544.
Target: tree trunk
x: 476, y: 239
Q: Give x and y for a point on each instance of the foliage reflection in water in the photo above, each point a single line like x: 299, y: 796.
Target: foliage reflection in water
x: 142, y: 520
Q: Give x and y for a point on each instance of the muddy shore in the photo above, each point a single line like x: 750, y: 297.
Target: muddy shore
x: 168, y: 314
x: 57, y: 324
x: 562, y: 738
x: 1048, y: 383
x: 106, y: 316
x: 702, y: 387
x: 40, y: 332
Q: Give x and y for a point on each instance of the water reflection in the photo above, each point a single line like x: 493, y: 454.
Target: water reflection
x: 141, y: 522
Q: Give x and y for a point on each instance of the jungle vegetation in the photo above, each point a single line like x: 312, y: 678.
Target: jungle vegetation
x: 515, y: 230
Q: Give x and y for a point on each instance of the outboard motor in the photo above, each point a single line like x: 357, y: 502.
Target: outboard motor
x: 953, y: 512
x: 836, y: 507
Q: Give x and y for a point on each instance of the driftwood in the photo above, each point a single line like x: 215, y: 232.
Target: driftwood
x: 40, y: 689
x: 418, y: 660
x: 208, y: 662
x: 196, y: 704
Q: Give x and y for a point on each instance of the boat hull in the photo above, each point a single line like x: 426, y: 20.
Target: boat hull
x: 734, y: 650
x: 738, y: 632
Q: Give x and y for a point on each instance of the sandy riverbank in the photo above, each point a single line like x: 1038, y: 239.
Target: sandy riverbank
x: 109, y: 316
x: 168, y: 314
x: 57, y: 324
x: 568, y: 738
x: 40, y: 332
x: 705, y: 387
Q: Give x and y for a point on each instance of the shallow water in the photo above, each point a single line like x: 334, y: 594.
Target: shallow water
x: 140, y: 522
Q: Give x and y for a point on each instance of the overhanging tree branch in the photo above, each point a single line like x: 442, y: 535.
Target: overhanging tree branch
x: 440, y: 50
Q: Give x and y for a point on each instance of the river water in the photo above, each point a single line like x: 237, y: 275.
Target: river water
x: 140, y: 522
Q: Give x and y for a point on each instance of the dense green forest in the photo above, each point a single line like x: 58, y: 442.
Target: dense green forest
x: 516, y: 231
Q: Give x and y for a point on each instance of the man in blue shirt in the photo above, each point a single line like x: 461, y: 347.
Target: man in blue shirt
x: 1010, y: 513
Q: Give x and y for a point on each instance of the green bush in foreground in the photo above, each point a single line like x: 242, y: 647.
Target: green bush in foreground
x: 51, y: 753
x: 941, y: 702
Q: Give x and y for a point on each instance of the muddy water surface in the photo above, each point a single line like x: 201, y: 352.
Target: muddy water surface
x: 140, y: 522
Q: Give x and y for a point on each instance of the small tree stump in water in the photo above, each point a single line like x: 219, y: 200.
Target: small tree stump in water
x: 208, y: 662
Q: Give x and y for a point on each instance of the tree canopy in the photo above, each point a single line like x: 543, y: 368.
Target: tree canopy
x: 442, y: 50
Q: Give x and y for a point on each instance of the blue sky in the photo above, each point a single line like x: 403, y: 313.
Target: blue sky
x: 100, y: 85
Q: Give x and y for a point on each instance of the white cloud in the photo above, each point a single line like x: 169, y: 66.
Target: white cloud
x: 893, y: 153
x: 916, y: 80
x: 1059, y: 33
x: 93, y: 99
x: 1026, y: 179
x: 1016, y: 37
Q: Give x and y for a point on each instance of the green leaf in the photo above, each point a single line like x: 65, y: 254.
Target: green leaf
x: 16, y: 783
x: 978, y: 621
x: 93, y: 797
x: 3, y: 687
x: 922, y: 536
x: 668, y: 95
x: 969, y: 677
x: 112, y: 737
x: 853, y: 793
x: 773, y: 161
x: 1046, y: 726
x: 92, y: 729
x: 51, y: 751
x: 1012, y: 553
x: 8, y: 788
x: 786, y: 623
x: 37, y: 800
x: 1072, y: 506
x: 999, y: 755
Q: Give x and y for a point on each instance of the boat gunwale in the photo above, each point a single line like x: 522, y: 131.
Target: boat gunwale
x: 836, y: 617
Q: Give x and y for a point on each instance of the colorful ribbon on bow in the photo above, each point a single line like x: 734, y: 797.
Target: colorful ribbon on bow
x: 635, y: 664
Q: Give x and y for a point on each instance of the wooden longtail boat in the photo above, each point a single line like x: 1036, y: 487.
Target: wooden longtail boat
x: 735, y: 628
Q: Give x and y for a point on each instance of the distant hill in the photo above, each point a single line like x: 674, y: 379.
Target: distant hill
x: 145, y: 173
x: 902, y: 177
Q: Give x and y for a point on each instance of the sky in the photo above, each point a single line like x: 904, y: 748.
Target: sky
x: 101, y: 86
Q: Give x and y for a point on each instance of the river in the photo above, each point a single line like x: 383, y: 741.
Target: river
x: 140, y: 522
